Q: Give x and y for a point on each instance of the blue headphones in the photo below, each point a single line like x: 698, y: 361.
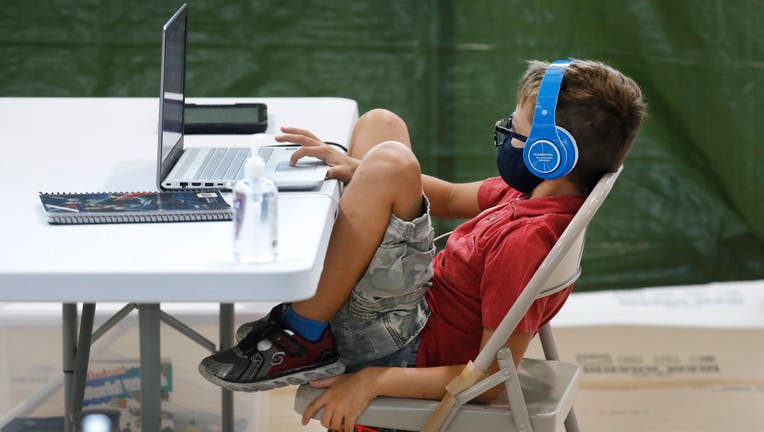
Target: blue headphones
x: 550, y: 151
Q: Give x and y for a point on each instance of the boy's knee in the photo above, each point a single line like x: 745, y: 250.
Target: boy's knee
x: 381, y: 117
x: 393, y: 161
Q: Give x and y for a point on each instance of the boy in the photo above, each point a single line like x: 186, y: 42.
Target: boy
x: 391, y: 302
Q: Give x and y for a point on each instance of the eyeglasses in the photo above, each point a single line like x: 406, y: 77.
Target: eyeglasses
x: 503, y: 132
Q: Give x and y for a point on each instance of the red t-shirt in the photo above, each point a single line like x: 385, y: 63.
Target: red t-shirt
x: 486, y: 263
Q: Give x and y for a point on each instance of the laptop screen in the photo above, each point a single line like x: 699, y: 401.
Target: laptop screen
x: 171, y: 98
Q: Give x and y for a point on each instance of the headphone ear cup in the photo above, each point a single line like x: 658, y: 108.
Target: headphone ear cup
x: 569, y: 149
x: 542, y: 156
x: 551, y: 157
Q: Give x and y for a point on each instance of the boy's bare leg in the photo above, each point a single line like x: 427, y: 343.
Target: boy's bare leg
x: 388, y: 180
x: 374, y: 127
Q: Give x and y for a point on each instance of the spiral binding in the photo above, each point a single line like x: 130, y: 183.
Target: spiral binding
x: 96, y: 193
x: 174, y: 216
x: 109, y: 219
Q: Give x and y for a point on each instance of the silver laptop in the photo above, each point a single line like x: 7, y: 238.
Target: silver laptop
x: 180, y: 167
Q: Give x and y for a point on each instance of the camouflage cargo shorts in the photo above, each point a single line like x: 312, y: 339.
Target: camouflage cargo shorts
x: 386, y: 309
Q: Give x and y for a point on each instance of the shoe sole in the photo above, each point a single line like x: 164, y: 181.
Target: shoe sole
x: 296, y: 378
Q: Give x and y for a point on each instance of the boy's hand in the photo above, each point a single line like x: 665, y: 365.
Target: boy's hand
x: 341, y: 165
x: 346, y: 397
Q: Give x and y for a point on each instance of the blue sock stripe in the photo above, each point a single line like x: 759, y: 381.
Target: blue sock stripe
x: 305, y: 327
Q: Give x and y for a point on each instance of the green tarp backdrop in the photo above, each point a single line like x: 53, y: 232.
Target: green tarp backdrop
x: 688, y: 208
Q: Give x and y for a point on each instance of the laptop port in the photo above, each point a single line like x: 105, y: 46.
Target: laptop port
x: 183, y: 184
x: 196, y: 184
x: 209, y: 184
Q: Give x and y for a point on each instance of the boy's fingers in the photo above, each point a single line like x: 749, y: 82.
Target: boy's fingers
x: 349, y: 424
x: 326, y: 419
x: 294, y: 130
x: 323, y: 382
x: 297, y: 139
x: 336, y: 421
x: 316, y: 152
x: 312, y: 408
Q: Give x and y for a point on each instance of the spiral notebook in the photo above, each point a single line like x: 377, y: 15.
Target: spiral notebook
x: 134, y: 207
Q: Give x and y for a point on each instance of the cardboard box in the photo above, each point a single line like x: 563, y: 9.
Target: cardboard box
x: 631, y: 357
x: 695, y: 364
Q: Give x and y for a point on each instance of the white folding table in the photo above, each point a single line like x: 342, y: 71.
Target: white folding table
x: 109, y: 144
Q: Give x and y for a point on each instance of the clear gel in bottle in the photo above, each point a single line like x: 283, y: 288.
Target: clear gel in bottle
x: 255, y: 222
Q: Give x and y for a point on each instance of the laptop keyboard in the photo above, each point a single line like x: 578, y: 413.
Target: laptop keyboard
x: 265, y: 154
x: 214, y: 164
x: 221, y: 163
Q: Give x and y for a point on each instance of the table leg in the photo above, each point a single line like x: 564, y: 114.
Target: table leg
x: 69, y: 325
x: 151, y: 379
x: 81, y: 360
x: 226, y: 341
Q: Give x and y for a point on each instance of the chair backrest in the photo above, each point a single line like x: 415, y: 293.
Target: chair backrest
x: 560, y: 268
x: 568, y: 270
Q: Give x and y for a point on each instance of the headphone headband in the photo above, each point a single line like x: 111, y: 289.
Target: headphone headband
x: 546, y: 101
x: 550, y: 151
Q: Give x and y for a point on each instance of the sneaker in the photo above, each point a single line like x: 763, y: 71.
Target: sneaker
x: 272, y: 356
x: 244, y: 330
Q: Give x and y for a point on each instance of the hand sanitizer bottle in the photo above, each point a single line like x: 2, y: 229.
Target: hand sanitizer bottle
x: 255, y: 224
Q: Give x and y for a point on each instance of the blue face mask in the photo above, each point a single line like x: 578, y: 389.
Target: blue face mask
x: 509, y: 159
x: 513, y: 170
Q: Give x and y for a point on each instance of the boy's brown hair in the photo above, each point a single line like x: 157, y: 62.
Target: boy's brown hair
x: 601, y: 107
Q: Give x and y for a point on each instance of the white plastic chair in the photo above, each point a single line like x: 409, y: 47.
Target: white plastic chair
x: 539, y: 392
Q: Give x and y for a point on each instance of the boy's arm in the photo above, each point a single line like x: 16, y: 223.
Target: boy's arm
x: 451, y: 200
x: 349, y: 395
x: 430, y: 383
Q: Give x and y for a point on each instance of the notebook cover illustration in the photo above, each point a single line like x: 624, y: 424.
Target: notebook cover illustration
x: 125, y: 207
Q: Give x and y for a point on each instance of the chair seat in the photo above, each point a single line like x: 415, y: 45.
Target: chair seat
x: 549, y: 388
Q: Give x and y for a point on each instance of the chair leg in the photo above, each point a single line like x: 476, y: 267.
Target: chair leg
x: 549, y: 347
x: 514, y: 391
x: 547, y: 343
x: 571, y: 424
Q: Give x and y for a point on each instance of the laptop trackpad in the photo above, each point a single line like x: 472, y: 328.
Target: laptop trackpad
x: 301, y: 165
x: 306, y: 174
